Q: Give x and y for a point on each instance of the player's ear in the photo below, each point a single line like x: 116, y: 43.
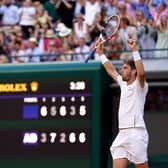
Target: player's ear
x: 134, y: 71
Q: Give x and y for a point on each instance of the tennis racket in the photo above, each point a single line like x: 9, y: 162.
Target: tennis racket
x: 112, y: 24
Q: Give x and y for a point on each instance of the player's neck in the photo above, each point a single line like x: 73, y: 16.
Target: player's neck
x: 131, y: 81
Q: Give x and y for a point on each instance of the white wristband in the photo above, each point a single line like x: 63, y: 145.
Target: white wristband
x: 103, y: 58
x: 136, y: 55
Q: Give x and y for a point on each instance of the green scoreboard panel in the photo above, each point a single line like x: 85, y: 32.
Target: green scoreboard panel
x: 50, y: 115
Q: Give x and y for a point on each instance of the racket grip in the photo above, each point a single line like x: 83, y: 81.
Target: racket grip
x: 90, y: 55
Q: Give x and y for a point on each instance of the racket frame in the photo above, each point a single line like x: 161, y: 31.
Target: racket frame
x: 112, y: 35
x: 103, y: 39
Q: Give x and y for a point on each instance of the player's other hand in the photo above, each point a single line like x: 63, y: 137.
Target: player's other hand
x: 132, y: 44
x: 99, y: 45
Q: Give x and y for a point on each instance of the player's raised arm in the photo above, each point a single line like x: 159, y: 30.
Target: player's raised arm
x: 111, y: 70
x: 138, y: 62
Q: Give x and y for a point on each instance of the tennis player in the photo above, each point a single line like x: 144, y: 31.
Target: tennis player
x: 131, y: 143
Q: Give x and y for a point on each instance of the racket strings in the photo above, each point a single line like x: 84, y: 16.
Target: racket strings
x: 111, y: 27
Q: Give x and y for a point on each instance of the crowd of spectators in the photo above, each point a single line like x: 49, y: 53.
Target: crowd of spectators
x: 65, y: 30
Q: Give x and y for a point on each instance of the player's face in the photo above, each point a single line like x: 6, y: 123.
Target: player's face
x: 126, y: 72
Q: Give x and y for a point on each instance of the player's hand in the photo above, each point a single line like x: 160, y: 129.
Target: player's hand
x: 99, y: 45
x: 132, y: 44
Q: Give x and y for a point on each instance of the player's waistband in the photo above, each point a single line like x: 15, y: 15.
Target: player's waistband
x: 120, y: 129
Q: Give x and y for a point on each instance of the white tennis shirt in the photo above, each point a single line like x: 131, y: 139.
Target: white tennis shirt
x: 131, y: 107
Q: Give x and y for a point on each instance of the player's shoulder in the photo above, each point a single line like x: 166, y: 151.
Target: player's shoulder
x: 145, y: 88
x: 120, y: 81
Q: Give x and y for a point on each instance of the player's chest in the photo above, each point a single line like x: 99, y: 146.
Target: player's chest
x: 128, y: 92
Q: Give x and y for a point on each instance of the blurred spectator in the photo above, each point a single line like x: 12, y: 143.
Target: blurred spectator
x: 18, y: 55
x: 36, y: 4
x: 97, y: 27
x: 81, y: 52
x: 33, y: 53
x: 141, y: 5
x: 66, y: 35
x: 17, y: 28
x: 23, y: 42
x: 158, y: 11
x: 9, y: 13
x: 43, y: 18
x: 3, y: 59
x: 39, y: 31
x: 59, y: 27
x: 147, y: 42
x: 156, y: 2
x: 51, y: 53
x: 113, y: 48
x: 80, y: 7
x: 80, y: 28
x: 3, y: 48
x: 162, y: 40
x: 11, y: 42
x: 50, y: 7
x: 129, y: 7
x: 110, y: 8
x: 92, y: 7
x: 18, y: 3
x: 127, y: 31
x: 50, y: 36
x: 66, y: 53
x: 126, y: 56
x: 27, y: 18
x: 123, y: 11
x: 16, y: 34
x: 139, y: 18
x: 146, y: 35
x: 66, y: 10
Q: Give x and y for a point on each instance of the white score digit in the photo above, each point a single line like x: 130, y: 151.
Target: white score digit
x: 82, y: 110
x: 63, y: 110
x: 43, y: 111
x: 72, y: 85
x: 72, y: 110
x: 62, y: 137
x: 53, y: 111
x: 52, y: 137
x: 80, y: 85
x: 72, y: 137
x: 82, y: 137
x: 43, y: 138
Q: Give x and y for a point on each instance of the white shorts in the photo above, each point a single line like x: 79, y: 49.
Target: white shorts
x: 131, y: 143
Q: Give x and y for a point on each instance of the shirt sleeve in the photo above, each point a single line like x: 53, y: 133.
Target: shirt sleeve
x: 119, y: 80
x: 144, y: 89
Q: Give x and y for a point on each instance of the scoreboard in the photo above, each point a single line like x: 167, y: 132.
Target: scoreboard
x: 50, y: 115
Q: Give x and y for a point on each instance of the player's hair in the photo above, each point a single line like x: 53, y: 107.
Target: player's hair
x: 131, y: 63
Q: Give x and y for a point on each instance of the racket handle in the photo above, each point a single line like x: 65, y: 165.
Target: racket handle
x: 90, y: 55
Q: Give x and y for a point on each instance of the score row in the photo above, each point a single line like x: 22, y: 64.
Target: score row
x: 35, y: 111
x: 54, y: 137
x: 62, y: 110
